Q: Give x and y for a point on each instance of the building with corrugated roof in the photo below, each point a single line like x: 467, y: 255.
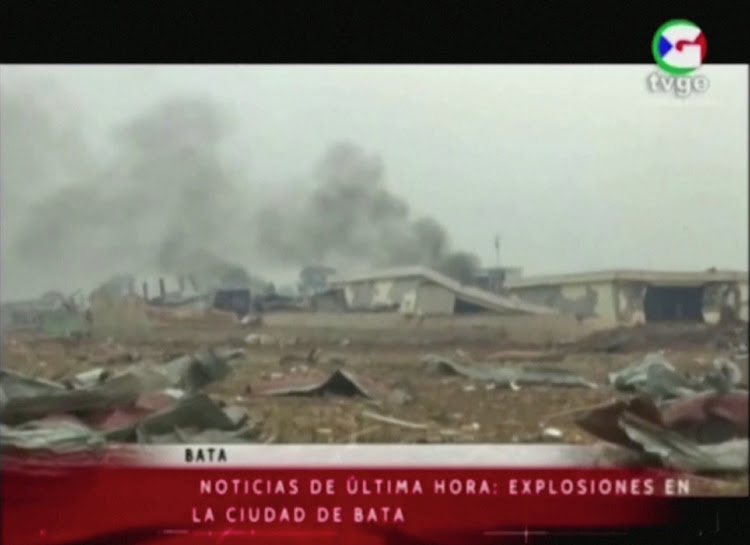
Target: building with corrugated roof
x: 638, y: 296
x: 422, y: 291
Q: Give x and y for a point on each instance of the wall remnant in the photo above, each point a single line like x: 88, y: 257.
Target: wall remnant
x: 580, y: 301
x: 629, y: 299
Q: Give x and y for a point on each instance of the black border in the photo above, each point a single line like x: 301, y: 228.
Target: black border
x: 449, y: 31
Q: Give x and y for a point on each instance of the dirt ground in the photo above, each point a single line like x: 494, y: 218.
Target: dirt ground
x: 440, y: 409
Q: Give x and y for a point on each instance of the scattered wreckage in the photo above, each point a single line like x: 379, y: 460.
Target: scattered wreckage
x: 657, y: 378
x: 339, y: 382
x: 511, y: 376
x: 144, y: 403
x: 697, y: 424
x: 692, y: 423
x: 686, y: 423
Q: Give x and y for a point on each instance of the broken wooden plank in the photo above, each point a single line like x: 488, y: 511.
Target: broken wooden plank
x: 394, y: 421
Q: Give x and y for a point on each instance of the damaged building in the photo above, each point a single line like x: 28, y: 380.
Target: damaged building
x: 314, y: 279
x: 183, y: 291
x: 419, y: 291
x: 494, y: 278
x: 629, y: 297
x: 154, y: 288
x: 52, y: 313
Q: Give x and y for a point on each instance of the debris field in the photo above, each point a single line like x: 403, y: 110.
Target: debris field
x: 60, y: 394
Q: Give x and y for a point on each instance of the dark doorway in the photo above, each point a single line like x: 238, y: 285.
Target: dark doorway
x: 465, y: 307
x: 673, y: 304
x: 237, y: 301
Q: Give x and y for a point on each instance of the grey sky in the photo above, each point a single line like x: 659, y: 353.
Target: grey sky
x: 578, y: 167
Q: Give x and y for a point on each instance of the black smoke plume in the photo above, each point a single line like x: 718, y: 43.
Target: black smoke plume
x: 167, y: 200
x: 351, y: 215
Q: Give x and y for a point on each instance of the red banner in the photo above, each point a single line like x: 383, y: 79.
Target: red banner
x: 108, y: 505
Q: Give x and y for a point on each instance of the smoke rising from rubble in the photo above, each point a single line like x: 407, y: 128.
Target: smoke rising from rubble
x: 169, y: 201
x: 352, y: 216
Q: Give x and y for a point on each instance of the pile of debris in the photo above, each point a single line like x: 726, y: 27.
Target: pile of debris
x: 508, y: 376
x: 728, y: 337
x: 697, y: 424
x: 143, y: 402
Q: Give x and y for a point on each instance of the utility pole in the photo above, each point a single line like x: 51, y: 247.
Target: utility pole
x: 497, y: 248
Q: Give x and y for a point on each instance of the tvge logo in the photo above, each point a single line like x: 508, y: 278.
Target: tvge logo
x: 679, y: 48
x: 683, y: 87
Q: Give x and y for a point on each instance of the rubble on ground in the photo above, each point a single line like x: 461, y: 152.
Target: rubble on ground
x: 59, y: 435
x: 158, y: 389
x: 260, y: 339
x: 696, y: 424
x: 144, y: 402
x: 729, y: 338
x: 509, y: 376
x: 339, y: 383
x: 526, y: 356
x: 703, y: 433
x: 656, y: 377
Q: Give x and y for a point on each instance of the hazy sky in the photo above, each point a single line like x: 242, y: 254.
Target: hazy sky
x: 578, y: 167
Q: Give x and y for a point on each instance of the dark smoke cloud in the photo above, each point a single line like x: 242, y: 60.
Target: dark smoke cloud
x: 41, y: 142
x: 158, y: 205
x: 352, y: 216
x: 40, y: 138
x: 168, y: 201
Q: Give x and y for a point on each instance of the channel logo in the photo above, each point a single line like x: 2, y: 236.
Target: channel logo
x: 679, y: 47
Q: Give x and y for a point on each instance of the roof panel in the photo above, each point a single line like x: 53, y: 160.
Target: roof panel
x: 631, y: 275
x: 485, y: 299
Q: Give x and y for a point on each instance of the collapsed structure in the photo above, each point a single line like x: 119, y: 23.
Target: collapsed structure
x: 419, y: 291
x: 630, y: 297
x: 52, y: 312
x: 614, y: 298
x: 605, y: 298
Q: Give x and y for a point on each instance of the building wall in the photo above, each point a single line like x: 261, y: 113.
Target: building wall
x: 587, y: 295
x: 716, y: 296
x: 395, y: 327
x: 358, y: 295
x: 434, y: 300
x: 743, y: 289
x: 589, y: 300
x: 379, y: 293
x: 629, y: 298
x: 331, y: 301
x: 173, y: 285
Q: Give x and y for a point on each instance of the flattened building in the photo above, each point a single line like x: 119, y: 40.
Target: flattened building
x: 631, y: 297
x: 425, y: 292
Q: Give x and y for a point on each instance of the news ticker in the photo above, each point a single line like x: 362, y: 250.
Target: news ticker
x: 324, y: 493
